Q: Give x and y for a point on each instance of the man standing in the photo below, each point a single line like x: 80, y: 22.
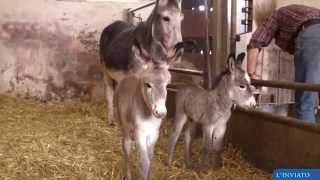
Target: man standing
x: 296, y: 30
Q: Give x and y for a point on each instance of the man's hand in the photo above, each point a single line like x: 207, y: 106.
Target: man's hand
x: 252, y: 58
x: 255, y: 76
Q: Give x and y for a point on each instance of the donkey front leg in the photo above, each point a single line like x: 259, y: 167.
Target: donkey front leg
x: 109, y: 93
x: 206, y: 144
x: 151, y: 142
x: 188, y: 141
x: 126, y: 145
x: 217, y: 145
x: 143, y: 156
x: 180, y: 119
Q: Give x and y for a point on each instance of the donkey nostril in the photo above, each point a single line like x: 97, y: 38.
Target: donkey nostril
x: 160, y: 114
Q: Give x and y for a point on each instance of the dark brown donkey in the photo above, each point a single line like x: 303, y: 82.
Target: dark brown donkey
x: 212, y: 110
x: 157, y: 40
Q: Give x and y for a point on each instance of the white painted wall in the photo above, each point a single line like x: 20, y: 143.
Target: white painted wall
x: 48, y: 48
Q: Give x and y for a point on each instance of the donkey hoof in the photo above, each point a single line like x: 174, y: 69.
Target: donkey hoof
x: 168, y: 162
x: 199, y: 169
x: 188, y: 165
x: 217, y: 165
x: 111, y: 123
x: 127, y: 177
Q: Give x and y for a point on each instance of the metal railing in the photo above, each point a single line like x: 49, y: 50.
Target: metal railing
x: 187, y: 71
x: 287, y: 85
x: 132, y: 10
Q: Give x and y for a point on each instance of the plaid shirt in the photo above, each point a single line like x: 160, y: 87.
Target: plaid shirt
x: 283, y: 25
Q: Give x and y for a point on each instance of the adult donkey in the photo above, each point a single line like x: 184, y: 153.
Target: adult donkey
x: 157, y: 39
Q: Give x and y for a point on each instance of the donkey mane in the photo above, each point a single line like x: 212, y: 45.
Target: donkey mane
x: 218, y: 79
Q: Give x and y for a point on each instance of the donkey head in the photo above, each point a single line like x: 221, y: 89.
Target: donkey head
x: 153, y: 83
x: 166, y: 23
x: 240, y: 89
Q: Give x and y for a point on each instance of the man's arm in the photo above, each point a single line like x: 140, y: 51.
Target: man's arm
x: 260, y: 38
x: 252, y: 58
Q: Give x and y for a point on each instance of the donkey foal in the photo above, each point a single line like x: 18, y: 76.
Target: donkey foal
x: 140, y: 102
x: 211, y: 109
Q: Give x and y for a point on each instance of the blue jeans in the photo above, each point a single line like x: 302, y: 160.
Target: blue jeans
x: 307, y: 69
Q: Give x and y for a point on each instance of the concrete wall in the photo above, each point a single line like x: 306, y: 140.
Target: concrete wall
x: 48, y: 48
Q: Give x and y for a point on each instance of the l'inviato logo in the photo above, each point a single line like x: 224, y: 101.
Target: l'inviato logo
x: 296, y: 174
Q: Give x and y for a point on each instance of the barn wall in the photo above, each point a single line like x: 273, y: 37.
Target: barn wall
x: 48, y: 48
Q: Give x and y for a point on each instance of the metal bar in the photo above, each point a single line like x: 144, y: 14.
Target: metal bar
x: 221, y: 26
x: 233, y: 39
x: 227, y: 28
x: 207, y: 69
x: 175, y: 85
x: 172, y: 89
x: 289, y: 121
x: 142, y: 6
x: 187, y: 71
x: 287, y: 85
x: 279, y: 75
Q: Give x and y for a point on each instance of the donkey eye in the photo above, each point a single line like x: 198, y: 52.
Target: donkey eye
x: 166, y: 18
x: 242, y: 86
x: 148, y: 85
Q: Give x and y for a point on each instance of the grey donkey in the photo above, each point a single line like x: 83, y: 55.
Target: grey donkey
x: 158, y: 40
x: 211, y: 109
x: 140, y: 103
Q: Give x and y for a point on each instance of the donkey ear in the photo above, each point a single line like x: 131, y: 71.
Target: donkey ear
x: 231, y: 62
x: 139, y: 55
x: 240, y: 58
x: 176, y: 3
x: 169, y: 2
x: 136, y: 46
x: 161, y: 3
x: 138, y: 51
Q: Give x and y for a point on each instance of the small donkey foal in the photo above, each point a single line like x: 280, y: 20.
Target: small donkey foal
x: 211, y: 109
x: 140, y: 101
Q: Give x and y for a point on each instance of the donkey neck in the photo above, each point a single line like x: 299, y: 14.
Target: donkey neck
x: 221, y: 94
x: 143, y: 35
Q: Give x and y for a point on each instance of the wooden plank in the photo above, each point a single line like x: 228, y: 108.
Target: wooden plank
x: 269, y: 141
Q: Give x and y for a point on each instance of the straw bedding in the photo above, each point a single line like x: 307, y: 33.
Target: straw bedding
x: 71, y: 140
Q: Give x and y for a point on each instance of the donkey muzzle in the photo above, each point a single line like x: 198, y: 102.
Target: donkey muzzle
x: 251, y: 102
x: 159, y: 114
x: 160, y: 110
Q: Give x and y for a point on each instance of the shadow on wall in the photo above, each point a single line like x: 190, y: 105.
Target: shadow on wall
x: 42, y: 61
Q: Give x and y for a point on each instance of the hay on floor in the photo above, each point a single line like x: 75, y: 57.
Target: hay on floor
x: 71, y: 140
